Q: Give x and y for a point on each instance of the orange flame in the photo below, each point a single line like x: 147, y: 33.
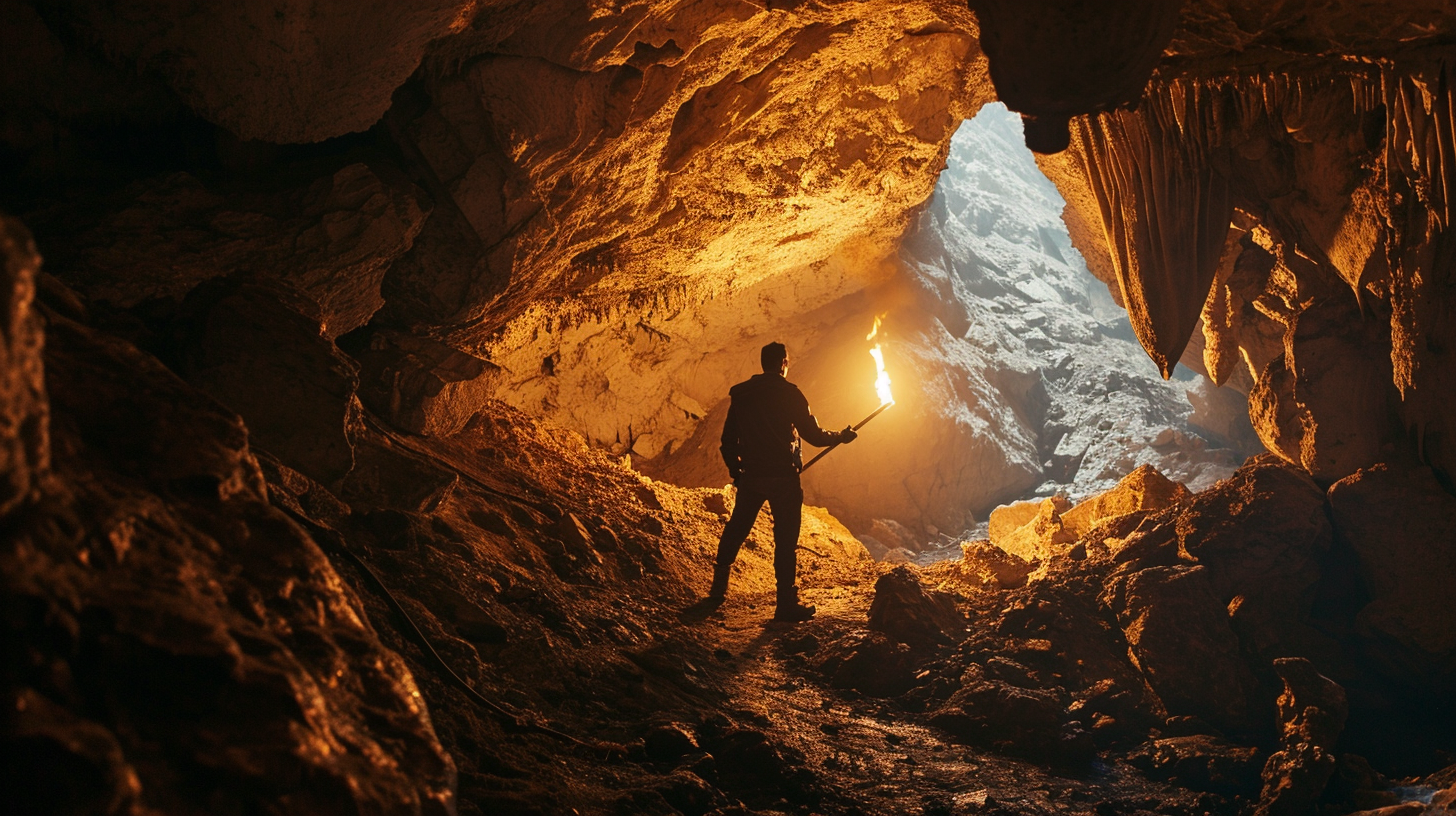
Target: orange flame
x: 882, y: 379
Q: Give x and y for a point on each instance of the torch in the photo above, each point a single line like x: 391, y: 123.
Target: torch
x: 882, y: 387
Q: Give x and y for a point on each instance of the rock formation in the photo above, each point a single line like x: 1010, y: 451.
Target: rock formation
x: 330, y: 335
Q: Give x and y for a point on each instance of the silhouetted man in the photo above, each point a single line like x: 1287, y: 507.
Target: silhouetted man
x: 767, y: 415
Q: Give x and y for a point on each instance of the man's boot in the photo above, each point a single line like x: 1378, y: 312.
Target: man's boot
x: 719, y: 590
x: 790, y: 610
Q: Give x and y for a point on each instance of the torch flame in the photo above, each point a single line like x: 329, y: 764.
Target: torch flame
x: 882, y: 379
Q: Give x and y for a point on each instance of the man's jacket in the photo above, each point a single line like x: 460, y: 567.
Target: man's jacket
x: 759, y: 437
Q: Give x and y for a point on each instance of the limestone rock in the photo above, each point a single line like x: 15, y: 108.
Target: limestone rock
x: 992, y: 567
x: 908, y: 612
x: 1178, y: 636
x: 1262, y: 535
x: 1332, y: 413
x: 24, y: 427
x: 1144, y: 489
x: 420, y: 385
x: 214, y: 627
x: 1040, y: 538
x: 1312, y: 711
x: 1399, y: 520
x: 1051, y: 61
x: 1020, y: 721
x: 873, y: 664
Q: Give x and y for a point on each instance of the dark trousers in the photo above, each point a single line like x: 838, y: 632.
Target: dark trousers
x: 785, y: 498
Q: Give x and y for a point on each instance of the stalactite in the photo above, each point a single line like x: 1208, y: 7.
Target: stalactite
x: 1165, y: 208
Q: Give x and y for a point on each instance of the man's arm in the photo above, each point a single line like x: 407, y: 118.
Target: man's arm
x: 810, y: 431
x: 729, y: 444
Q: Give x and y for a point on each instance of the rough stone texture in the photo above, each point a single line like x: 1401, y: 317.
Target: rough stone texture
x: 327, y: 244
x: 339, y: 61
x: 989, y: 566
x: 1179, y: 638
x: 1020, y: 721
x: 908, y: 612
x: 212, y: 656
x: 1263, y: 536
x: 1312, y: 711
x: 1333, y: 413
x: 24, y: 447
x: 1201, y: 762
x: 418, y: 384
x: 1399, y: 521
x: 1145, y: 489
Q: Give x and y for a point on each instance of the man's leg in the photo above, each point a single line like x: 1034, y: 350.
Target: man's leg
x: 735, y: 532
x: 787, y: 503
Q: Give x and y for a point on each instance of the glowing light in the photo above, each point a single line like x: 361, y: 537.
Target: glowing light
x: 882, y: 379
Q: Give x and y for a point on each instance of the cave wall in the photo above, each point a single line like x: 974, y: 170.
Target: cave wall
x: 273, y: 232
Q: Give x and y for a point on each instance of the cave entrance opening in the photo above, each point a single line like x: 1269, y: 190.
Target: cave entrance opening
x: 1057, y: 398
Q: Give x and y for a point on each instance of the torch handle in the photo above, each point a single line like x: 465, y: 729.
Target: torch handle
x: 862, y: 423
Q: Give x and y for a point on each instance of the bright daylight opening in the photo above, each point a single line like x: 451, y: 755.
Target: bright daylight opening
x: 1059, y: 396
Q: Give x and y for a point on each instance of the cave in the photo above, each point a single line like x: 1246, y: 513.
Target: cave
x: 363, y: 369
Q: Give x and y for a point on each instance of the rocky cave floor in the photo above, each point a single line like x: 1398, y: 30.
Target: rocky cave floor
x: 990, y: 694
x: 194, y: 626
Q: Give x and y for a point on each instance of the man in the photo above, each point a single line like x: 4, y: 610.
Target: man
x: 767, y: 415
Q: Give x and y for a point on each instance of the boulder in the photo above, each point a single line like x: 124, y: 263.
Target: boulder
x: 1143, y: 489
x: 1312, y: 711
x: 1178, y: 636
x: 1201, y: 762
x: 1262, y: 535
x: 1031, y: 723
x: 905, y: 610
x: 873, y: 664
x: 1039, y: 538
x: 1400, y: 522
x: 991, y: 567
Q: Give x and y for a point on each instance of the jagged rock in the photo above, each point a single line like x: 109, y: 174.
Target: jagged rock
x: 420, y: 385
x: 24, y: 426
x: 1041, y: 537
x: 388, y: 475
x: 215, y: 629
x: 908, y: 612
x: 1020, y: 721
x: 1145, y: 489
x: 1262, y: 535
x: 992, y: 567
x: 1200, y: 762
x: 1333, y: 413
x: 1178, y: 636
x: 1312, y: 711
x: 666, y: 743
x: 272, y: 365
x: 1399, y: 520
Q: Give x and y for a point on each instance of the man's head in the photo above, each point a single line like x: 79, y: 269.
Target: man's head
x: 775, y: 358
